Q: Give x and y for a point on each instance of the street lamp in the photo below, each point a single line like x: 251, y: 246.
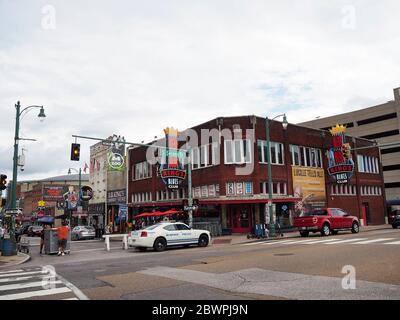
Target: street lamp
x: 272, y: 214
x: 13, y: 198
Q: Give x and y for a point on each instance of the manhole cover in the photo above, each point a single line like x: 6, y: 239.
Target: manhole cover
x: 283, y: 254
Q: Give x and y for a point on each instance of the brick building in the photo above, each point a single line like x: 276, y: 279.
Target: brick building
x: 237, y: 200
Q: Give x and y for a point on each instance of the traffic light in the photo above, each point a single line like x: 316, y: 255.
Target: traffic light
x: 75, y: 151
x: 3, y: 182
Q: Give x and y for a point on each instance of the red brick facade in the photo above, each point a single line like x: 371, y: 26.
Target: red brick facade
x: 223, y: 173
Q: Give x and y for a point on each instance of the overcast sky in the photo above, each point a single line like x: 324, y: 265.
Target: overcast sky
x: 134, y: 67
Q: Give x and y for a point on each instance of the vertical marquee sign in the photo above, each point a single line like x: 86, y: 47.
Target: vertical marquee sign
x: 341, y: 164
x: 172, y: 168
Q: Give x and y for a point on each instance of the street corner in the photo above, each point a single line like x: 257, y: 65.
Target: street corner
x: 11, y: 261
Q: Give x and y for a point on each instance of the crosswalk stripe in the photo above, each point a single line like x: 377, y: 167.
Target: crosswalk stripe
x: 321, y: 241
x: 346, y: 241
x: 252, y: 243
x: 22, y: 273
x: 38, y: 293
x: 11, y: 271
x: 394, y: 242
x: 28, y: 285
x: 373, y: 240
x: 71, y: 299
x: 22, y: 278
x: 278, y: 242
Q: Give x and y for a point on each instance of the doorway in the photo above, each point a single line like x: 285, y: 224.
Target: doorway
x: 365, y: 213
x: 241, y: 217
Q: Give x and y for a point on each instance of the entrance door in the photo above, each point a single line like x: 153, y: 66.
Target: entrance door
x: 366, y: 214
x: 241, y: 218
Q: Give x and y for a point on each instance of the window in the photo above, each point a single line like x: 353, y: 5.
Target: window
x: 142, y: 170
x: 237, y: 151
x: 171, y: 227
x: 305, y: 157
x: 181, y: 226
x: 343, y: 190
x: 276, y: 154
x: 367, y: 164
x: 278, y: 188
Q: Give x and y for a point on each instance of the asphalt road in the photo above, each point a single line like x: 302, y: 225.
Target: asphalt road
x: 346, y: 266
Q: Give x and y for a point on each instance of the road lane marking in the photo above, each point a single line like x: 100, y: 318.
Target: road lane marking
x: 38, y: 293
x: 321, y: 241
x: 394, y: 242
x: 373, y: 241
x: 22, y: 273
x: 28, y: 285
x: 253, y: 243
x: 11, y: 271
x: 20, y: 278
x: 71, y: 299
x: 278, y: 242
x: 346, y: 241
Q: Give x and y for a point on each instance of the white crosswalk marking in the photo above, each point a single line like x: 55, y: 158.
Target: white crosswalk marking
x: 36, y: 282
x: 321, y: 241
x: 278, y: 242
x: 373, y: 241
x: 346, y: 241
x: 394, y: 242
x: 38, y: 293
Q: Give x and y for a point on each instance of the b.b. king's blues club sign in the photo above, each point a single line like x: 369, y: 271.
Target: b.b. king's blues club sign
x: 341, y: 164
x: 172, y: 169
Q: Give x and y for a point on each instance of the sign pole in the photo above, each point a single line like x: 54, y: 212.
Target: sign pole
x: 190, y: 196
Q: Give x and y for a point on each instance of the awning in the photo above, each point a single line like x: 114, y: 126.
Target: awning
x: 156, y: 214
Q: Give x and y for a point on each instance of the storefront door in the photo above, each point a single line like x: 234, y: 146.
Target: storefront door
x: 241, y: 218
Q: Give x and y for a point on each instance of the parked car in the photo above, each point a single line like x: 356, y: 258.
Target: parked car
x: 83, y: 232
x: 34, y: 231
x: 326, y: 221
x: 167, y: 234
x: 396, y: 221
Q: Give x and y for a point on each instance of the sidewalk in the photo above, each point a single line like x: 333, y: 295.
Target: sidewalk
x: 242, y: 238
x: 11, y: 261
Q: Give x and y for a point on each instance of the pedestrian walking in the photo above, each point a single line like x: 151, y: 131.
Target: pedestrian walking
x: 62, y: 232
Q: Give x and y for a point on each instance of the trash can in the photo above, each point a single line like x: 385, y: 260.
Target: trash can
x: 8, y: 247
x: 51, y: 242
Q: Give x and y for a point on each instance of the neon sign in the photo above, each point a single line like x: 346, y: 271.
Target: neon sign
x: 341, y: 164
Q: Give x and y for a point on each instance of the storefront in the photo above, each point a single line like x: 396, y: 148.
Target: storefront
x: 96, y: 214
x: 117, y: 210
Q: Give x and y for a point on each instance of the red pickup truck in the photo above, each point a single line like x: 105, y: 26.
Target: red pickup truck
x: 326, y: 221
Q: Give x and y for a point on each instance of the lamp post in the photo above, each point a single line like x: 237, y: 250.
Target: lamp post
x: 13, y: 198
x: 270, y: 207
x: 79, y: 191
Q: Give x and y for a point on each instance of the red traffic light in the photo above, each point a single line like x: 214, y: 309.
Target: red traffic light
x: 75, y: 151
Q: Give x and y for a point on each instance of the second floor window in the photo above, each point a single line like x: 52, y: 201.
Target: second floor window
x: 276, y: 152
x: 305, y: 156
x: 237, y: 151
x: 142, y: 170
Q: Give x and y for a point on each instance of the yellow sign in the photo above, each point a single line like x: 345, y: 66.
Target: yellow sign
x: 309, y: 184
x: 41, y: 203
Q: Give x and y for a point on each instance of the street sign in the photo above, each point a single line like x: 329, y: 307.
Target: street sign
x: 13, y: 211
x: 188, y: 208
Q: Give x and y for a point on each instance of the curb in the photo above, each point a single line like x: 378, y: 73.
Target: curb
x: 26, y: 258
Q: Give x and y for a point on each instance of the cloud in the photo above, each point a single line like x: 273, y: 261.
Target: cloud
x: 134, y: 67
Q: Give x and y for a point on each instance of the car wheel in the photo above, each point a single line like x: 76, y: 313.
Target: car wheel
x: 326, y: 230
x: 355, y: 228
x: 160, y: 244
x: 304, y: 233
x: 203, y: 240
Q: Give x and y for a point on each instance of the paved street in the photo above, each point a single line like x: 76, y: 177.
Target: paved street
x: 289, y: 268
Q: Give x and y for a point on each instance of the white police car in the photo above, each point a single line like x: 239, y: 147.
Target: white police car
x: 166, y: 234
